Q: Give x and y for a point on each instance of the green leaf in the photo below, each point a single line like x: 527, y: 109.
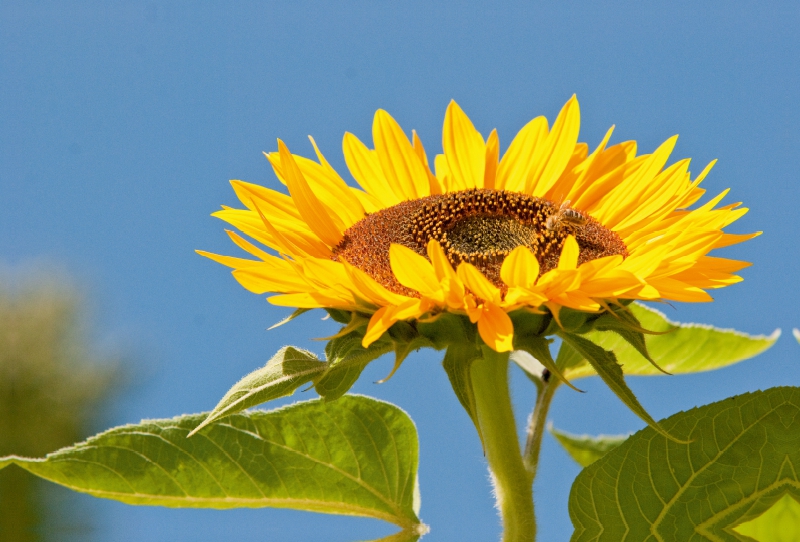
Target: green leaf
x: 568, y: 358
x: 346, y: 360
x: 627, y: 326
x: 401, y: 351
x: 744, y: 456
x: 690, y: 348
x: 457, y: 364
x: 446, y: 328
x: 539, y: 348
x: 289, y: 369
x: 586, y: 449
x: 781, y: 523
x: 356, y: 456
x: 338, y: 315
x: 605, y: 364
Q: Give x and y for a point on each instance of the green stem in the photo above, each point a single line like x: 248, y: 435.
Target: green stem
x: 536, y: 425
x: 501, y: 445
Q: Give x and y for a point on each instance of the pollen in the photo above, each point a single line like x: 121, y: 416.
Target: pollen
x: 478, y: 226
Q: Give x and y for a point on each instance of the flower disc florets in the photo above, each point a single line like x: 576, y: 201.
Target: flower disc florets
x: 478, y: 226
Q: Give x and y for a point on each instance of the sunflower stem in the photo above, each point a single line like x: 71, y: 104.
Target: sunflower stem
x: 536, y: 425
x: 512, y: 481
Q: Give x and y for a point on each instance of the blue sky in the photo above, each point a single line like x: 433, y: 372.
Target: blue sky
x: 121, y: 124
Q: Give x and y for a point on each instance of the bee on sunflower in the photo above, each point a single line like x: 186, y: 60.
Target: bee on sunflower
x: 483, y: 255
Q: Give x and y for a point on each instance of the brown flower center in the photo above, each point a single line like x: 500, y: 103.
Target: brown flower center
x: 479, y: 226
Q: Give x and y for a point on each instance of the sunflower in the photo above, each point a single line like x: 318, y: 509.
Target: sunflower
x: 547, y: 226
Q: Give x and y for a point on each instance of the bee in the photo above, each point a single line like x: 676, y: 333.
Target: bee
x: 564, y: 215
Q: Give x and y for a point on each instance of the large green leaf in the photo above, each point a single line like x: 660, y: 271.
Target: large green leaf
x: 743, y: 458
x: 689, y: 348
x: 289, y: 369
x: 781, y: 523
x: 355, y: 456
x: 586, y: 449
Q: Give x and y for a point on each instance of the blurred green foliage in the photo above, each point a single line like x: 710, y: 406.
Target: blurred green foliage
x: 52, y: 390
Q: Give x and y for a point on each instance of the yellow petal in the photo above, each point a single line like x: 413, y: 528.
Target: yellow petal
x: 464, y: 148
x: 414, y: 271
x: 263, y: 279
x: 451, y: 285
x: 558, y: 148
x: 400, y: 164
x: 433, y: 182
x: 311, y: 300
x: 475, y: 281
x: 371, y: 290
x: 492, y: 155
x: 620, y: 201
x: 520, y: 268
x: 310, y: 208
x: 569, y: 254
x: 271, y: 202
x: 366, y: 170
x: 247, y: 246
x: 379, y: 323
x: 496, y: 329
x: 343, y: 208
x: 519, y: 160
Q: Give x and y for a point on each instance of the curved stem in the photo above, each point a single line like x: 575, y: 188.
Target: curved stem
x: 536, y: 425
x: 495, y: 418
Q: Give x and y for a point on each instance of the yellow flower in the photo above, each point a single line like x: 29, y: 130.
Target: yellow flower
x: 546, y: 226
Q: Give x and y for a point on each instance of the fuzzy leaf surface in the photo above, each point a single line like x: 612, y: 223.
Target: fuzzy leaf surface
x: 689, y: 348
x: 356, y: 456
x: 744, y: 456
x: 288, y: 369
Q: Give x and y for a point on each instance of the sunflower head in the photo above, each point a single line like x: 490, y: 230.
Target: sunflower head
x: 482, y: 238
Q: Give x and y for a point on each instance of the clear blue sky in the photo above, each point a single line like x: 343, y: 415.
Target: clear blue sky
x: 121, y: 124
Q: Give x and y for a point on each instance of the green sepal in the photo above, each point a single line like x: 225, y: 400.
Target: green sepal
x: 406, y: 339
x: 347, y: 358
x: 627, y: 326
x: 606, y: 365
x: 355, y: 324
x: 447, y: 328
x: 286, y: 371
x: 586, y: 449
x: 570, y: 321
x: 539, y: 347
x: 289, y: 318
x: 567, y: 357
x: 457, y: 364
x: 529, y: 323
x: 338, y: 315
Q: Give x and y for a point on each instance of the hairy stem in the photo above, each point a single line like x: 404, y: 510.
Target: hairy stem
x: 536, y: 425
x: 513, y: 483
